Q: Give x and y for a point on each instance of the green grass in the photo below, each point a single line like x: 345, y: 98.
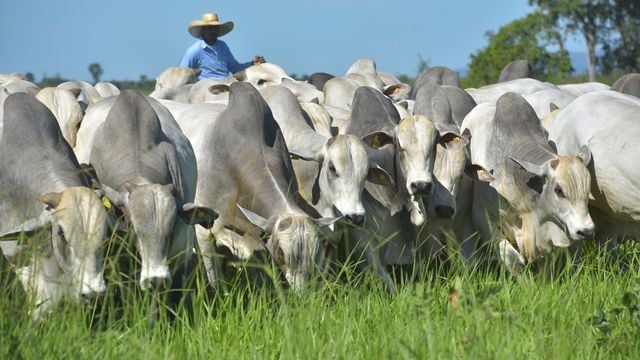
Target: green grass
x: 591, y: 310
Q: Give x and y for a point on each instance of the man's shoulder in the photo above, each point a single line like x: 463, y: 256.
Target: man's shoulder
x: 196, y: 46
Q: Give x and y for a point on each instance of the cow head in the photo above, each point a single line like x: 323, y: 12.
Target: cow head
x: 564, y: 195
x: 78, y: 233
x: 78, y: 224
x: 344, y: 167
x: 151, y: 210
x: 294, y: 243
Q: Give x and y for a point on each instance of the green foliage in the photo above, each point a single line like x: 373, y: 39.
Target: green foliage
x: 614, y: 25
x: 590, y: 311
x: 520, y: 39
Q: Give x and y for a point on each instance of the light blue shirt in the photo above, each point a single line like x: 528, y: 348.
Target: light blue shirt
x: 215, y: 61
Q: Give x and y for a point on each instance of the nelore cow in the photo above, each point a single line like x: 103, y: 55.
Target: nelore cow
x: 245, y: 173
x: 608, y: 123
x: 147, y: 169
x: 406, y: 149
x: 46, y: 197
x: 539, y: 194
x: 335, y: 180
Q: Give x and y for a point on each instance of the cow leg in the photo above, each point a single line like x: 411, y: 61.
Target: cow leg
x: 210, y: 259
x: 511, y: 258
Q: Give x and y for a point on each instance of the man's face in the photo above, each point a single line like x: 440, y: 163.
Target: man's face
x: 210, y: 34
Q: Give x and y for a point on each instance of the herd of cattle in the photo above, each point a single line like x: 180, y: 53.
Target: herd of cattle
x: 262, y: 164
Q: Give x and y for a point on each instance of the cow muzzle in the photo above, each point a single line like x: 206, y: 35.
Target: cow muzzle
x: 420, y: 188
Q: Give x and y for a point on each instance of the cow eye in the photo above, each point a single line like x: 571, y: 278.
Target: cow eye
x: 558, y: 191
x: 332, y: 169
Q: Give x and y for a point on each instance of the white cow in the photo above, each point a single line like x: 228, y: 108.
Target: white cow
x: 532, y: 184
x: 65, y: 108
x: 608, y: 123
x: 491, y: 93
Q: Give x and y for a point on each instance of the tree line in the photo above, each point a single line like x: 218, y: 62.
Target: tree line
x: 610, y: 30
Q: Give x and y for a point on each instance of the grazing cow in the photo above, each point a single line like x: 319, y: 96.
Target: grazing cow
x: 449, y: 208
x: 406, y: 149
x: 247, y: 176
x: 45, y: 193
x: 537, y: 185
x: 591, y: 120
x: 628, y: 84
x: 517, y: 69
x: 147, y: 168
x: 342, y: 162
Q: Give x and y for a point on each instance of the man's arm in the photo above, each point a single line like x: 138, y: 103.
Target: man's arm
x: 232, y: 64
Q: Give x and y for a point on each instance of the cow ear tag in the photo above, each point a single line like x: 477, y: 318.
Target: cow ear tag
x: 106, y: 202
x: 376, y: 142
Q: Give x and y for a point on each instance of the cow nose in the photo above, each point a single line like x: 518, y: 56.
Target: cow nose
x: 585, y: 233
x: 420, y: 188
x: 445, y: 212
x: 156, y: 283
x: 357, y: 219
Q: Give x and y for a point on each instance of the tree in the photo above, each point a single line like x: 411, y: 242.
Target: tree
x: 591, y: 18
x: 525, y: 38
x: 623, y: 51
x: 96, y: 71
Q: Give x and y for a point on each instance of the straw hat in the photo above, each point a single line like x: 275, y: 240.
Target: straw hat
x: 209, y: 19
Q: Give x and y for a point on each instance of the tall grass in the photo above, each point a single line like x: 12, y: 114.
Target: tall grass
x: 589, y: 310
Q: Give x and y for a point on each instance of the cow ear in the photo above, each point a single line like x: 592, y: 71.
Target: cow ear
x: 75, y: 92
x: 537, y: 170
x: 585, y: 155
x: 28, y: 226
x: 256, y: 219
x: 396, y: 90
x: 378, y: 139
x: 52, y: 199
x: 378, y: 175
x: 451, y: 140
x: 119, y: 199
x: 201, y: 215
x: 478, y: 173
x: 306, y: 155
x: 240, y: 75
x: 218, y: 89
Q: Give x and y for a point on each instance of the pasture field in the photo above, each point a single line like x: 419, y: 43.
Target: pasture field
x: 590, y: 310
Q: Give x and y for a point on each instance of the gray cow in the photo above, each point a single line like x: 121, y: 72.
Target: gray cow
x: 406, y: 149
x: 336, y: 178
x: 532, y: 185
x: 147, y: 168
x: 44, y: 188
x: 247, y: 176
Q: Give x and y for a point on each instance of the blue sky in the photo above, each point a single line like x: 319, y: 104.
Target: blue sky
x: 130, y: 38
